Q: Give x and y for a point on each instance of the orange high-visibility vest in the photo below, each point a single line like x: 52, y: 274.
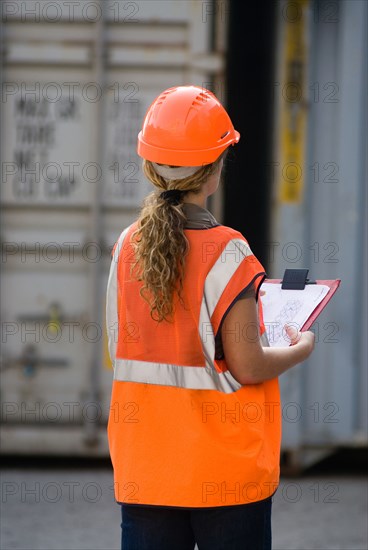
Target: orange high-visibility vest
x: 181, y: 430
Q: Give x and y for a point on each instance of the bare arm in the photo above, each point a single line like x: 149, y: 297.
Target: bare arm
x: 247, y: 360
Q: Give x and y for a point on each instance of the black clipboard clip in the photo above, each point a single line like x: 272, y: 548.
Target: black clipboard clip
x: 296, y: 279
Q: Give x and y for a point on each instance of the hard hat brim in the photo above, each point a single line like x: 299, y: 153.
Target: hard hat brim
x: 184, y: 157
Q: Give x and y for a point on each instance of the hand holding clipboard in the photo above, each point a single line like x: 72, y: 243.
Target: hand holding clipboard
x: 293, y: 301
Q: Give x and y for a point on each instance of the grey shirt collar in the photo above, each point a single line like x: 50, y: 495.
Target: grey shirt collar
x: 198, y: 217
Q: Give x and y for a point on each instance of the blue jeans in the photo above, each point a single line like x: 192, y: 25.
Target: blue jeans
x: 238, y: 527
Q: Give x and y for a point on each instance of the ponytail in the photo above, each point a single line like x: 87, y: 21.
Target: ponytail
x: 159, y: 242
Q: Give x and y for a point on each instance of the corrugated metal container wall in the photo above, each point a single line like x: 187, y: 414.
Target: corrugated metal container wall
x: 77, y: 80
x: 319, y: 216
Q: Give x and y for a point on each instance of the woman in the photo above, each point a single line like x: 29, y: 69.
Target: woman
x: 195, y: 420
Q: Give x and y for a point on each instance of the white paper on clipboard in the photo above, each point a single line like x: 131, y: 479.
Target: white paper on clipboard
x: 281, y: 306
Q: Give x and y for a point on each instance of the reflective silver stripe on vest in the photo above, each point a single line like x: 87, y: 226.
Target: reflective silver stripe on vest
x: 264, y: 340
x: 215, y: 284
x: 112, y: 326
x: 223, y: 270
x: 195, y: 378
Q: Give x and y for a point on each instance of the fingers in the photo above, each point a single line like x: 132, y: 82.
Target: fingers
x: 292, y: 333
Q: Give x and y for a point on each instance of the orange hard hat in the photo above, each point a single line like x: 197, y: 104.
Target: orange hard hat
x: 186, y: 126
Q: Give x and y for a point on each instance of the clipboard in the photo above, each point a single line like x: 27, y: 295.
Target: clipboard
x: 332, y: 283
x: 296, y: 279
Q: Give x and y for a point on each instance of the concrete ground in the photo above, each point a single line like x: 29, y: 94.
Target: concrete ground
x: 74, y: 509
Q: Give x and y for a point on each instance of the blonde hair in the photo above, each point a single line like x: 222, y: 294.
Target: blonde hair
x: 159, y: 242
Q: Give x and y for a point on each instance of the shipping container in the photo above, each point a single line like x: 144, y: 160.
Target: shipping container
x: 76, y: 82
x: 319, y: 216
